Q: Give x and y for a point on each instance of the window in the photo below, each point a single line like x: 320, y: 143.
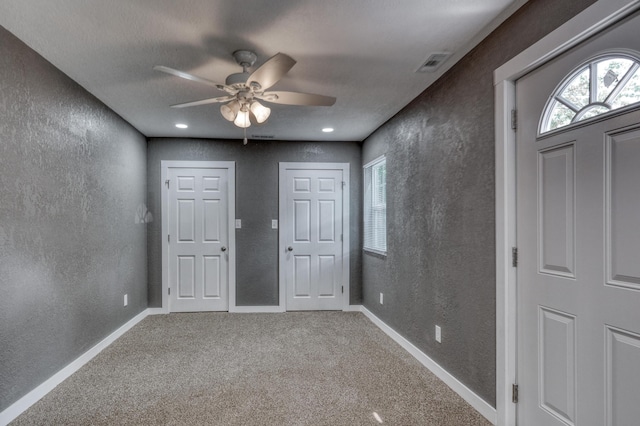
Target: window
x: 375, y: 206
x: 604, y: 84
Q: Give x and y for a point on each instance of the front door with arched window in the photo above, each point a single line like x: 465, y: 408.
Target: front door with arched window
x: 578, y: 213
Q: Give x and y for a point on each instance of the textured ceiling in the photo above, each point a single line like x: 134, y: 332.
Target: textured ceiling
x: 363, y: 52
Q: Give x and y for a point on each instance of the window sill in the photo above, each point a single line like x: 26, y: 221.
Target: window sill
x: 375, y: 253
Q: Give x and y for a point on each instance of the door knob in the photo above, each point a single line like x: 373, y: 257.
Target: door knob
x: 223, y: 248
x: 290, y: 248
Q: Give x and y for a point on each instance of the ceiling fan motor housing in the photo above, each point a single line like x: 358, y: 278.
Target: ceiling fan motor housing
x: 237, y: 80
x: 245, y: 58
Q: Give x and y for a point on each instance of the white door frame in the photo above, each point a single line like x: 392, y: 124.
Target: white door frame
x: 592, y: 20
x: 231, y: 167
x: 345, y: 225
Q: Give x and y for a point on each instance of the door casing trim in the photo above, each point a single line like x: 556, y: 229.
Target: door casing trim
x: 231, y: 167
x: 283, y: 167
x: 597, y: 17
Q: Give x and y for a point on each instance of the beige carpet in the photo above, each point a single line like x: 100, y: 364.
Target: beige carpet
x: 317, y: 368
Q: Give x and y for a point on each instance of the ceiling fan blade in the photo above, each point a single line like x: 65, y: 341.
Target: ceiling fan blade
x: 203, y: 102
x: 187, y: 76
x: 296, y: 98
x: 271, y: 71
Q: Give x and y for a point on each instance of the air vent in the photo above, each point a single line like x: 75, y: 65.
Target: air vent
x: 434, y: 62
x: 262, y: 137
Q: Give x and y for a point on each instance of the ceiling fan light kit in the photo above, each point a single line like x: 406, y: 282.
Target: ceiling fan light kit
x: 242, y: 119
x: 243, y: 90
x: 230, y: 111
x: 260, y: 112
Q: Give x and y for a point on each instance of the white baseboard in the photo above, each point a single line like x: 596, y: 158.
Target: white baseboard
x: 21, y: 405
x: 460, y: 388
x: 278, y: 309
x: 256, y: 309
x: 353, y: 308
x: 232, y: 309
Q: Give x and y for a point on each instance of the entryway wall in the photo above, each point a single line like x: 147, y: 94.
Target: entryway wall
x: 256, y: 206
x: 72, y: 220
x: 440, y: 263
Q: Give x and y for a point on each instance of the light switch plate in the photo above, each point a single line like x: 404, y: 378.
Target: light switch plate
x: 274, y: 224
x: 238, y: 223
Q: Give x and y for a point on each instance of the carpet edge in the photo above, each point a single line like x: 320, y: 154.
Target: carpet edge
x: 22, y: 404
x: 473, y: 399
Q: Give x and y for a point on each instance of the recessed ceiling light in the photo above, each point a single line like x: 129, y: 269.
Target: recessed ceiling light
x: 328, y: 129
x: 181, y: 126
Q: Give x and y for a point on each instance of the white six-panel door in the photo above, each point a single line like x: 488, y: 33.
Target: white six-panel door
x: 578, y: 215
x: 312, y: 234
x: 198, y: 241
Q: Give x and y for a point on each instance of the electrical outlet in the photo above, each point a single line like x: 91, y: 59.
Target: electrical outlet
x: 238, y: 223
x: 126, y: 299
x: 381, y: 298
x: 274, y: 224
x: 438, y: 334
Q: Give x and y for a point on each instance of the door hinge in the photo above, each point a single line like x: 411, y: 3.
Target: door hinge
x: 342, y: 289
x: 514, y: 393
x: 344, y: 184
x: 168, y: 238
x: 514, y: 119
x: 166, y: 182
x: 169, y: 289
x: 514, y: 256
x: 341, y: 237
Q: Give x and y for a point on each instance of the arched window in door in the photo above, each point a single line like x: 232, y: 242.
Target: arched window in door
x: 606, y: 83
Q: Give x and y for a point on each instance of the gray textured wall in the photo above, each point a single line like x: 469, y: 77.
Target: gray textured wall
x: 440, y: 267
x: 73, y: 175
x: 256, y: 205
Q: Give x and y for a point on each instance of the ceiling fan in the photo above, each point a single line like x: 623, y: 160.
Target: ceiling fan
x: 245, y: 89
